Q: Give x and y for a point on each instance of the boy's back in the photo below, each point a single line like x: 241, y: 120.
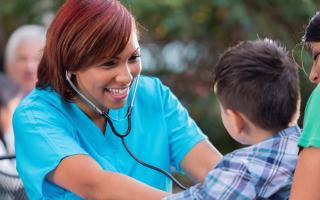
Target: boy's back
x: 261, y: 171
x: 257, y: 86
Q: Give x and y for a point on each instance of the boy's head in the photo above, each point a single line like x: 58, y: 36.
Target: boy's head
x: 260, y: 82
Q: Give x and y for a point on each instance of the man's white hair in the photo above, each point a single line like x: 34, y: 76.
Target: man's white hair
x: 23, y: 33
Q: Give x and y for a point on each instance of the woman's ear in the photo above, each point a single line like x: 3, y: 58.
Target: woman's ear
x: 237, y: 120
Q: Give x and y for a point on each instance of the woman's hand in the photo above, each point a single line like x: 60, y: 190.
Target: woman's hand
x: 201, y: 159
x: 305, y: 184
x: 82, y: 175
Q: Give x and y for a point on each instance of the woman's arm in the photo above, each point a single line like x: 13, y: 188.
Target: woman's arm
x: 306, y: 180
x: 201, y: 159
x: 84, y: 176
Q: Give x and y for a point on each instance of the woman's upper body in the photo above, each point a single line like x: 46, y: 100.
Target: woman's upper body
x: 65, y: 148
x: 311, y: 126
x: 48, y: 129
x: 306, y: 181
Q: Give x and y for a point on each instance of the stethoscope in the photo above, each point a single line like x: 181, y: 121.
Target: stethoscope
x: 128, y: 115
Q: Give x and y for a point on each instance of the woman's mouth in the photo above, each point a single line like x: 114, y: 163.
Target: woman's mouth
x: 118, y: 93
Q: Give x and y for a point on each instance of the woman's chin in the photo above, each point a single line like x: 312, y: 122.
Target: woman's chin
x: 117, y: 105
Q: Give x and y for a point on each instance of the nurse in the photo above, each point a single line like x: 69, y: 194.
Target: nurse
x: 65, y: 149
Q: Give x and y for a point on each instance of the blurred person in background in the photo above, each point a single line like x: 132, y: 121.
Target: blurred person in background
x: 22, y: 56
x: 9, y: 100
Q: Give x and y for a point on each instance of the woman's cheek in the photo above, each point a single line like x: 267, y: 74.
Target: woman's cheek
x: 137, y: 68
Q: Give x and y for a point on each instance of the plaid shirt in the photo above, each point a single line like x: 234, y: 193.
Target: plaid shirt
x: 261, y: 171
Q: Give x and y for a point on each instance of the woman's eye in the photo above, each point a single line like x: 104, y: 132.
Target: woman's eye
x: 315, y: 56
x: 135, y: 57
x: 108, y: 64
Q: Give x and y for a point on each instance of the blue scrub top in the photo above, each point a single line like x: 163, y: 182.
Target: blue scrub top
x: 47, y: 129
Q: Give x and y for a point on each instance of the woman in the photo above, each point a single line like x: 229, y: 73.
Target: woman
x: 306, y: 180
x: 65, y: 148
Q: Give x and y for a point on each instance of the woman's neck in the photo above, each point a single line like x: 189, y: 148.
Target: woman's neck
x: 93, y: 115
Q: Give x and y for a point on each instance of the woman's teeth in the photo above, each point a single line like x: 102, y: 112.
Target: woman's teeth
x: 117, y: 91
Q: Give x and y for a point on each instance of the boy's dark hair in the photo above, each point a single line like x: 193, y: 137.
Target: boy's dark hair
x: 259, y: 80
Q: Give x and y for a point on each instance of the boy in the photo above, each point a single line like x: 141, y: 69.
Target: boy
x: 257, y: 86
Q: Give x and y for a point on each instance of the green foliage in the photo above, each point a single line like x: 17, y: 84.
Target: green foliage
x: 210, y: 26
x: 14, y: 13
x: 219, y: 24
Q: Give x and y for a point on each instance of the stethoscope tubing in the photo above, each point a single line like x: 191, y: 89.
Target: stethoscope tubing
x: 133, y: 156
x: 152, y: 167
x: 108, y: 119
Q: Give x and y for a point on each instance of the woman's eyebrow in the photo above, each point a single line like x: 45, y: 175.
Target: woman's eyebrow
x: 135, y: 50
x: 131, y: 54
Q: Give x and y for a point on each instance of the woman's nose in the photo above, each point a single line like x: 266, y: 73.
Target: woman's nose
x: 124, y: 75
x: 314, y: 75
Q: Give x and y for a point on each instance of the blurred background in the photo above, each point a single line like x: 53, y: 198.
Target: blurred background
x: 181, y: 41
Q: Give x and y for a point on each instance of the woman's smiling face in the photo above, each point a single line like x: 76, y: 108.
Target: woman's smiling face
x: 315, y: 71
x: 107, y: 84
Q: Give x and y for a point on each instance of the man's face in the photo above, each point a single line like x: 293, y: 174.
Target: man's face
x: 23, y: 68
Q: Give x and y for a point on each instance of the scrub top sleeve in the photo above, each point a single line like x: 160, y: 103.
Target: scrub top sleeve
x: 41, y: 141
x: 182, y: 131
x: 311, y: 126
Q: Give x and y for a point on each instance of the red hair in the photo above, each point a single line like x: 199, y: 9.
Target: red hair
x: 82, y: 33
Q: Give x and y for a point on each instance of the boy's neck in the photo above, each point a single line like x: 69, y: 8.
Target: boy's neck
x: 257, y: 135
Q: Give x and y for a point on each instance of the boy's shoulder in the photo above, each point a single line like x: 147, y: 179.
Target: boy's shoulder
x: 261, y: 171
x: 276, y: 153
x: 268, y: 164
x: 283, y: 143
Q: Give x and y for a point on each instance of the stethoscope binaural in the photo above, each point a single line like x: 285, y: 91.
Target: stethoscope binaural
x: 128, y: 115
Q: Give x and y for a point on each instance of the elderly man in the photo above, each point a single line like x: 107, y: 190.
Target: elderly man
x: 22, y: 56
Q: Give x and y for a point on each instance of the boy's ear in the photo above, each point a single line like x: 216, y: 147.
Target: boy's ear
x: 237, y: 120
